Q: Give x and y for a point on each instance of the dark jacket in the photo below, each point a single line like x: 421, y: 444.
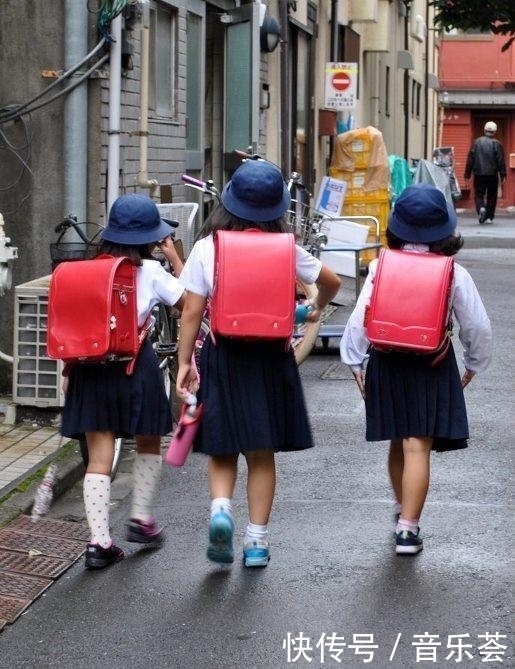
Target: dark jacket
x: 486, y: 157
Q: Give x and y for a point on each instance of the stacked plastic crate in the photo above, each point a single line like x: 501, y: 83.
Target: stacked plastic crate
x: 360, y: 159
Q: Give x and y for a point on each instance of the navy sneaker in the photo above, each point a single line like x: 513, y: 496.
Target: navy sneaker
x: 144, y: 533
x: 256, y: 553
x: 221, y: 528
x: 98, y: 557
x: 408, y: 543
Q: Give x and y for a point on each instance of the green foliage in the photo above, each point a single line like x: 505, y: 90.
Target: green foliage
x: 495, y: 15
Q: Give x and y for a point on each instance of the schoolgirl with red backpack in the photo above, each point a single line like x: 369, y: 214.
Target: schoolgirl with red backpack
x: 250, y: 389
x: 115, y: 396
x: 412, y: 301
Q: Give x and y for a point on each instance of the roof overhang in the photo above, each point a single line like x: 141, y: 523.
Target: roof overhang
x: 477, y: 98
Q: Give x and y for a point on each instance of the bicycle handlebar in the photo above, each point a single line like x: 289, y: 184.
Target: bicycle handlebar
x: 70, y: 222
x: 192, y: 181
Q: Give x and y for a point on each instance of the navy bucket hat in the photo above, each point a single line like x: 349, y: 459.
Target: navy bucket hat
x: 421, y: 214
x: 134, y: 220
x: 256, y: 192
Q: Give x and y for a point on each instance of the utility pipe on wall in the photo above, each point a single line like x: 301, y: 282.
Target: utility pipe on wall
x: 115, y: 85
x: 75, y: 140
x: 285, y: 90
x: 143, y: 180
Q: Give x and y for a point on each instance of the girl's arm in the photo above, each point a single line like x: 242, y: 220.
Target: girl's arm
x: 191, y: 318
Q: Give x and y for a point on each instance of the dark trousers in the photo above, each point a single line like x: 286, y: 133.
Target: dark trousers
x: 486, y: 184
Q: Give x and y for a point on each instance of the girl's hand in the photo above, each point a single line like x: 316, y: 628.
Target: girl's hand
x: 187, y: 381
x: 467, y: 378
x: 361, y: 382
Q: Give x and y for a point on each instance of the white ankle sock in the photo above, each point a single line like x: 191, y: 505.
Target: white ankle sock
x: 97, y: 496
x: 146, y: 473
x: 256, y: 532
x: 408, y: 524
x: 221, y: 504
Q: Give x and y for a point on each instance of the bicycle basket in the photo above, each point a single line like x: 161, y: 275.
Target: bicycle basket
x: 61, y: 250
x: 305, y: 222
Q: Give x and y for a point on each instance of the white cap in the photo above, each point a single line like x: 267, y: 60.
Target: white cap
x: 490, y: 126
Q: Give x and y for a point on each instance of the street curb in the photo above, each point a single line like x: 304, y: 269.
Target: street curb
x: 69, y: 471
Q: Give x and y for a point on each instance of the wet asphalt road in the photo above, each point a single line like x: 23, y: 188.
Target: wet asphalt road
x: 334, y: 580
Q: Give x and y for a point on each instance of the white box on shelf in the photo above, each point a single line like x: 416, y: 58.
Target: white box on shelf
x: 341, y: 232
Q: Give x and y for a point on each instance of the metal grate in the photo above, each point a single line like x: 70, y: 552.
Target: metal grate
x: 337, y: 371
x: 35, y: 565
x: 49, y: 546
x: 22, y: 586
x: 50, y: 528
x: 12, y: 607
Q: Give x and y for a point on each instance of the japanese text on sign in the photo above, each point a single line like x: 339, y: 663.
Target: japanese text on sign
x: 341, y: 85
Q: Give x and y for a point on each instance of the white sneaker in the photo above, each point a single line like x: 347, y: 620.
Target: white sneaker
x: 488, y: 221
x: 481, y: 215
x: 256, y: 553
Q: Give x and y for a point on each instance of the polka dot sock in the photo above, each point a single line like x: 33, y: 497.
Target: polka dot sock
x: 146, y: 473
x: 97, y: 495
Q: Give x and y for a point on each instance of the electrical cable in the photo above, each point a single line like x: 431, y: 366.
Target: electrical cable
x: 66, y: 90
x: 60, y: 79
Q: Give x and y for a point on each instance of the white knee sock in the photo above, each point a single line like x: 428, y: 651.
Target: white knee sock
x: 146, y: 473
x: 97, y: 496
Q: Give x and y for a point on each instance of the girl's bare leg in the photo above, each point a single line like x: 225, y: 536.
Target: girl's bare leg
x: 415, y: 477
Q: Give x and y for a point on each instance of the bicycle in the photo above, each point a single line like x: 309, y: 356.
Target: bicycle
x: 164, y: 334
x: 307, y: 232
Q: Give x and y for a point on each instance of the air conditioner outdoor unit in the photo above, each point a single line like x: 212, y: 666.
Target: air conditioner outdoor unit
x: 37, y: 380
x: 418, y: 28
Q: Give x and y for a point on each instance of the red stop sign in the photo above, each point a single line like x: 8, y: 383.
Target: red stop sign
x: 340, y: 81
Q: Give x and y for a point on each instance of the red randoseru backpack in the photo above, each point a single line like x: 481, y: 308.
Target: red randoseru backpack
x: 409, y: 309
x: 92, y: 311
x: 254, y: 285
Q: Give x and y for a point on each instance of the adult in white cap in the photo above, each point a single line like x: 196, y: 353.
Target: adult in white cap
x: 486, y: 161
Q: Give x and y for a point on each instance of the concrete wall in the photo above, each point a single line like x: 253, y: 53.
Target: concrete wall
x: 32, y: 42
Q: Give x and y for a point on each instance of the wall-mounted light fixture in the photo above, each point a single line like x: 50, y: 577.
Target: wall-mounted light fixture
x: 269, y: 30
x: 269, y: 34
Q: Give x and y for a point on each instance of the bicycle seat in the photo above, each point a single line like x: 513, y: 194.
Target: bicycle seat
x: 172, y: 224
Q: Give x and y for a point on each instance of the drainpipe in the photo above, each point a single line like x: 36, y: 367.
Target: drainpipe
x: 426, y: 79
x: 406, y: 85
x: 333, y: 51
x: 115, y: 85
x: 75, y: 139
x: 143, y: 180
x: 285, y: 90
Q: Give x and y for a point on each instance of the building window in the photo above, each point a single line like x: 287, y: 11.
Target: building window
x: 163, y: 60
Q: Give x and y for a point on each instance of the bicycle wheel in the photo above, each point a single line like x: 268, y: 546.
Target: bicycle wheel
x: 306, y: 334
x: 117, y: 456
x: 164, y: 341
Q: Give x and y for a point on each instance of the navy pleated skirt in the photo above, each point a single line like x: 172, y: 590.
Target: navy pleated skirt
x: 103, y: 397
x: 252, y: 399
x: 406, y: 397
